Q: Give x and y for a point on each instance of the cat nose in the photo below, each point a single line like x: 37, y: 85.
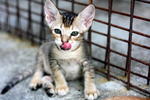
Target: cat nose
x: 65, y: 39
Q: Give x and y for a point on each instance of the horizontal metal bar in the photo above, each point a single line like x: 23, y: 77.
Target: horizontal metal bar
x: 139, y: 75
x: 123, y: 28
x: 105, y: 9
x: 123, y: 40
x: 95, y: 44
x: 132, y: 58
x: 24, y: 10
x: 134, y: 43
x: 99, y: 60
x: 126, y: 29
x: 144, y: 1
x: 113, y: 11
x: 35, y: 36
x: 37, y: 2
x: 138, y: 88
x: 121, y: 68
x: 98, y: 70
x: 125, y: 14
x: 131, y: 85
x: 63, y: 9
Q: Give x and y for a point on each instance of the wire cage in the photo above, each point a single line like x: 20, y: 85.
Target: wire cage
x: 25, y: 18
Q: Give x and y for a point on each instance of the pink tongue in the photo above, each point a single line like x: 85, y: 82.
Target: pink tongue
x: 66, y: 46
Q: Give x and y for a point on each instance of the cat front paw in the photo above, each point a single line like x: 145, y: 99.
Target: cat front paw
x: 35, y: 84
x: 62, y: 90
x: 91, y: 94
x: 48, y: 86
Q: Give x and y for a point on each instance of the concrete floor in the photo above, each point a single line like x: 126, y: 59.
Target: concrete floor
x: 17, y: 55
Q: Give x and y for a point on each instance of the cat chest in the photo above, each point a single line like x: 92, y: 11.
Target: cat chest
x: 71, y: 69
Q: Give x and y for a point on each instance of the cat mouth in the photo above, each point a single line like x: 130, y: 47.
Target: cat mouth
x: 66, y: 46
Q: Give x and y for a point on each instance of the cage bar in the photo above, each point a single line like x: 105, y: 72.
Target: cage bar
x: 128, y: 62
x: 107, y: 54
x: 72, y: 6
x: 148, y: 80
x: 7, y: 17
x: 42, y: 35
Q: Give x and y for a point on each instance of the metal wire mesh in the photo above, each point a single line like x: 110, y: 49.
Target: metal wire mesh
x: 29, y: 23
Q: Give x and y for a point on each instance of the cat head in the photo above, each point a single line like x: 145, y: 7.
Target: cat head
x: 68, y: 28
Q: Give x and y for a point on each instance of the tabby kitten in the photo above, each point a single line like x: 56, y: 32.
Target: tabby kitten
x: 66, y: 58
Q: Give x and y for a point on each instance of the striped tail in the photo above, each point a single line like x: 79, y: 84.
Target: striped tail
x: 15, y: 80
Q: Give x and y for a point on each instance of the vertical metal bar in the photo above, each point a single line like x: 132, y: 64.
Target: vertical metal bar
x: 57, y: 3
x: 18, y: 19
x: 72, y: 6
x: 148, y: 80
x: 0, y: 24
x: 29, y: 27
x: 90, y: 39
x: 128, y: 61
x: 7, y: 27
x: 107, y: 55
x: 90, y: 35
x: 42, y: 25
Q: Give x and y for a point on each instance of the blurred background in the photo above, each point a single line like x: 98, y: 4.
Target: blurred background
x: 119, y: 40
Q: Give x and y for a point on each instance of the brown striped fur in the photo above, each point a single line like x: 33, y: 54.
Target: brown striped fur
x: 63, y: 65
x: 68, y: 18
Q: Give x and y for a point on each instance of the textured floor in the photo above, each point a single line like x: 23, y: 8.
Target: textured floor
x: 17, y: 55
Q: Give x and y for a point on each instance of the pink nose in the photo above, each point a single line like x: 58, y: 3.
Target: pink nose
x: 65, y: 46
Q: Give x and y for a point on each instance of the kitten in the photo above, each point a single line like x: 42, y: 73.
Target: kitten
x: 66, y: 57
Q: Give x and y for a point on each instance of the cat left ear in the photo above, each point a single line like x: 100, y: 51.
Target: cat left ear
x: 86, y: 17
x: 51, y: 12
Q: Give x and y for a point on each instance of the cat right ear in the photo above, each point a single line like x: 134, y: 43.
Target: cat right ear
x: 85, y: 17
x: 51, y: 12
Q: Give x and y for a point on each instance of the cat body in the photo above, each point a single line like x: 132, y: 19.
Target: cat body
x: 67, y: 57
x: 70, y: 62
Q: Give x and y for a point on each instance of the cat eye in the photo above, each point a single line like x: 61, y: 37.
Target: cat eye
x: 57, y: 31
x: 74, y: 33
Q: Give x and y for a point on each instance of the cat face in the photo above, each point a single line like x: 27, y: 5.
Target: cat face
x: 68, y: 28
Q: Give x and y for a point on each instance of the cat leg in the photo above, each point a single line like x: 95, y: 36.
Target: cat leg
x: 36, y: 80
x: 60, y: 82
x: 52, y: 67
x: 47, y: 84
x: 90, y: 90
x: 42, y: 64
x: 61, y: 86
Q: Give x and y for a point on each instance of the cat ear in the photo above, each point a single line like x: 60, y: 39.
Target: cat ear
x: 86, y: 17
x: 51, y: 12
